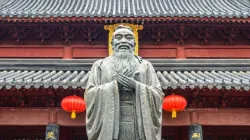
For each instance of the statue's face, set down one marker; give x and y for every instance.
(123, 41)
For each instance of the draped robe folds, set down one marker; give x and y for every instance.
(102, 101)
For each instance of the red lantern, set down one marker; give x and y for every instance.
(73, 104)
(174, 103)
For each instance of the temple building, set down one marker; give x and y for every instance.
(200, 50)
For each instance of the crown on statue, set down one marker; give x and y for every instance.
(123, 26)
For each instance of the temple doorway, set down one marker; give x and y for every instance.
(168, 133)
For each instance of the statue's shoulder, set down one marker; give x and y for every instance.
(100, 62)
(143, 61)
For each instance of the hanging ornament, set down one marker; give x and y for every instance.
(174, 103)
(73, 104)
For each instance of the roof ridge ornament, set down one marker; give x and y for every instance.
(111, 29)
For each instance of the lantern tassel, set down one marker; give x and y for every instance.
(173, 114)
(73, 115)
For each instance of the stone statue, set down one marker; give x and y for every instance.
(123, 94)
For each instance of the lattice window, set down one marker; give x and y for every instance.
(226, 137)
(30, 137)
(168, 138)
(21, 137)
(208, 138)
(80, 137)
(39, 137)
(3, 138)
(244, 138)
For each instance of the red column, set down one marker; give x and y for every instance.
(180, 50)
(68, 52)
(65, 133)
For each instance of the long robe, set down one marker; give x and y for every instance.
(102, 101)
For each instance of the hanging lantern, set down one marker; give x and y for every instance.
(174, 103)
(73, 104)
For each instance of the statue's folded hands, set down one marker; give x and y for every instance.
(126, 81)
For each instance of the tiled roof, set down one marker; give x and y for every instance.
(125, 8)
(169, 79)
(205, 79)
(36, 79)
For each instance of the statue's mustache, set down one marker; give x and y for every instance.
(129, 45)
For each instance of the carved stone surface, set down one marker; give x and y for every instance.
(123, 94)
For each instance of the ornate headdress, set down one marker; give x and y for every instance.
(123, 26)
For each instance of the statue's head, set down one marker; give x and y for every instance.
(123, 40)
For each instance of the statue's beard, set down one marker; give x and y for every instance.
(124, 61)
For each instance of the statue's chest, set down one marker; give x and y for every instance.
(127, 115)
(127, 95)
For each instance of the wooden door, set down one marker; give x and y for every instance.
(168, 133)
(22, 133)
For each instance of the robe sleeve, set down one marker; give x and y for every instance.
(99, 106)
(150, 96)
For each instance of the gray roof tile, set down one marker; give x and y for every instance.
(169, 79)
(125, 8)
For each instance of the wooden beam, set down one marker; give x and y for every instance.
(33, 51)
(68, 52)
(217, 53)
(39, 116)
(42, 116)
(180, 54)
(209, 116)
(146, 51)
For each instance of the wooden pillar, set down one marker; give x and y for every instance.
(66, 133)
(183, 133)
(52, 132)
(68, 52)
(195, 132)
(180, 50)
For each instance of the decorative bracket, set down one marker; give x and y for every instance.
(90, 34)
(111, 29)
(68, 33)
(2, 32)
(44, 34)
(229, 35)
(246, 32)
(180, 34)
(158, 35)
(204, 35)
(20, 34)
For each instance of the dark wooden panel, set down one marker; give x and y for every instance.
(217, 53)
(208, 116)
(90, 52)
(224, 118)
(24, 116)
(158, 53)
(31, 52)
